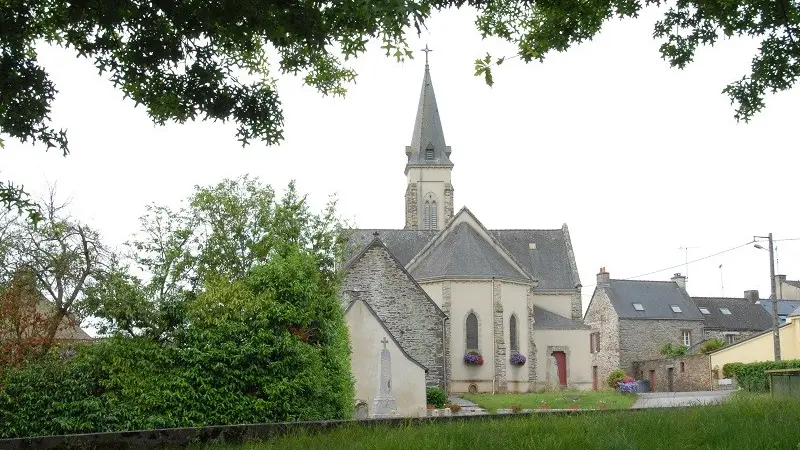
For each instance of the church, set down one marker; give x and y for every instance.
(446, 302)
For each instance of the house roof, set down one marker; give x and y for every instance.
(656, 298)
(404, 244)
(428, 133)
(463, 252)
(785, 307)
(383, 325)
(744, 316)
(795, 313)
(544, 319)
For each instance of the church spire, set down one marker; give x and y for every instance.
(427, 143)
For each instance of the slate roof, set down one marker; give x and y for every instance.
(546, 320)
(744, 316)
(656, 298)
(465, 253)
(404, 244)
(428, 131)
(549, 263)
(785, 307)
(795, 313)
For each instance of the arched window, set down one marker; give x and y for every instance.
(426, 216)
(434, 216)
(512, 331)
(472, 332)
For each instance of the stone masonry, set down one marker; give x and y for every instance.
(500, 360)
(409, 314)
(689, 373)
(602, 318)
(412, 215)
(739, 337)
(446, 302)
(531, 343)
(448, 203)
(641, 340)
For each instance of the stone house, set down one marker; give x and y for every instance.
(447, 288)
(732, 319)
(761, 346)
(631, 320)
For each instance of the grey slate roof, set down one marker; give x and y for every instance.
(544, 319)
(428, 131)
(656, 298)
(785, 307)
(744, 316)
(464, 253)
(549, 263)
(795, 313)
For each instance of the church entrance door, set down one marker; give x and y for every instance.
(561, 364)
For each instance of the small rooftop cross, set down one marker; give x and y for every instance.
(426, 50)
(375, 233)
(384, 341)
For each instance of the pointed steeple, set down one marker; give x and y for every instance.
(427, 143)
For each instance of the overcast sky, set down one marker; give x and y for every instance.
(637, 158)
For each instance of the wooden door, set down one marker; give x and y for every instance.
(652, 381)
(595, 382)
(561, 364)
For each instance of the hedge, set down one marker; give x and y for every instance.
(270, 348)
(751, 377)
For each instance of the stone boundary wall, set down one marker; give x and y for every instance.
(689, 373)
(234, 434)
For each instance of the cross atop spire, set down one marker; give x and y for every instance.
(426, 50)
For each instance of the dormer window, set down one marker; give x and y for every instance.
(705, 311)
(429, 154)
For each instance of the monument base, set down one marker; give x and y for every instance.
(384, 407)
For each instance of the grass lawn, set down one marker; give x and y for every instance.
(741, 423)
(556, 400)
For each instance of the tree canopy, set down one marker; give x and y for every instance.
(185, 60)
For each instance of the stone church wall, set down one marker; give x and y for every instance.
(412, 318)
(602, 319)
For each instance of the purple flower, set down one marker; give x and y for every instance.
(473, 358)
(518, 359)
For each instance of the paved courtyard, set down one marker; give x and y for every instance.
(672, 399)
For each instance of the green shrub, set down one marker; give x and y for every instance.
(729, 370)
(436, 396)
(751, 377)
(615, 376)
(271, 347)
(712, 345)
(668, 349)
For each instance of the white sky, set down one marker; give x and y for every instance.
(637, 158)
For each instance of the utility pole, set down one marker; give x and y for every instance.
(776, 338)
(775, 319)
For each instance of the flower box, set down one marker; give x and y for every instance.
(473, 359)
(518, 359)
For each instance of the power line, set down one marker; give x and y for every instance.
(685, 263)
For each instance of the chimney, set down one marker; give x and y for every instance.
(603, 278)
(751, 296)
(680, 280)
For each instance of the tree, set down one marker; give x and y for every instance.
(57, 259)
(223, 233)
(712, 345)
(23, 325)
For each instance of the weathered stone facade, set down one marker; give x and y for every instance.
(739, 336)
(500, 361)
(412, 209)
(688, 373)
(602, 318)
(448, 339)
(641, 340)
(532, 356)
(448, 203)
(409, 314)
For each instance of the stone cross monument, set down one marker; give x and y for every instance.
(384, 404)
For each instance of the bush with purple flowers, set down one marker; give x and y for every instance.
(473, 358)
(628, 388)
(518, 359)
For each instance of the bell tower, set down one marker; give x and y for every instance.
(429, 195)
